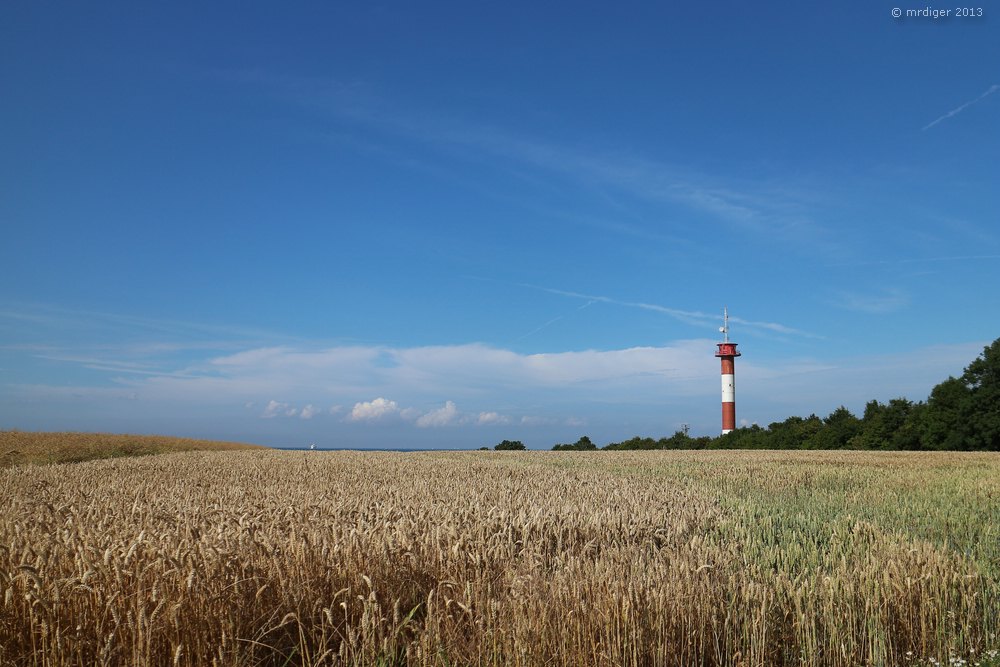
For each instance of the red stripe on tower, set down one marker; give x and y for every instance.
(728, 353)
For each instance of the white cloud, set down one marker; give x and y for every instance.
(477, 367)
(474, 374)
(535, 420)
(490, 418)
(277, 408)
(409, 414)
(618, 389)
(273, 409)
(44, 392)
(373, 410)
(440, 417)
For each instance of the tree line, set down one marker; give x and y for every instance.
(961, 413)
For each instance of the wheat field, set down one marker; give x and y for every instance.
(488, 558)
(20, 447)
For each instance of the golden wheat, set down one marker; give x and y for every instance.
(19, 447)
(638, 558)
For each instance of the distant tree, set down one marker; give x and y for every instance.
(701, 442)
(793, 433)
(982, 377)
(581, 445)
(874, 433)
(888, 426)
(746, 437)
(637, 442)
(510, 445)
(907, 435)
(679, 440)
(945, 423)
(836, 431)
(964, 412)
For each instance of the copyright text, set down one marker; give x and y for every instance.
(938, 14)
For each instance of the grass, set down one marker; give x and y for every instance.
(27, 447)
(486, 558)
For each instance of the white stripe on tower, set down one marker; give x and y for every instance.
(729, 388)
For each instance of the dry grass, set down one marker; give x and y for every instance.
(637, 558)
(20, 447)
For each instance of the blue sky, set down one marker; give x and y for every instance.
(448, 224)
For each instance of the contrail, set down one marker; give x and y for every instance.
(954, 112)
(918, 260)
(694, 318)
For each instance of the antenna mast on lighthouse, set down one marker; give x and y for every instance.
(728, 353)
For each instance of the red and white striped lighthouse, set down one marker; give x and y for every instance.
(728, 353)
